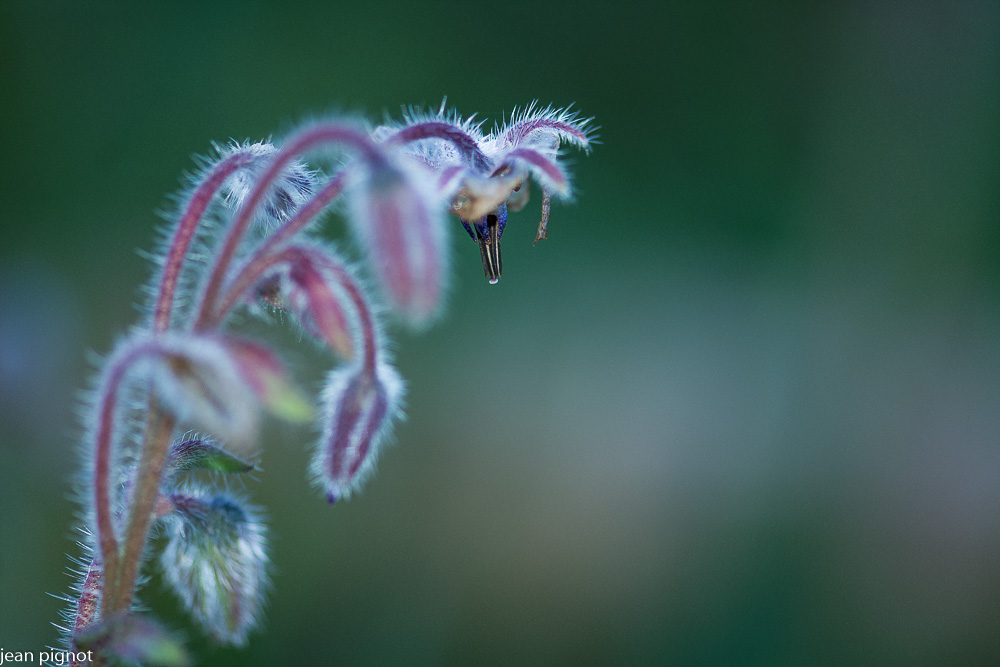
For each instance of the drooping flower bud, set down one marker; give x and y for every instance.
(200, 380)
(318, 305)
(360, 408)
(219, 382)
(215, 560)
(397, 217)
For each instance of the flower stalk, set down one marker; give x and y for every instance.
(185, 371)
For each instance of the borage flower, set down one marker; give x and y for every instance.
(486, 175)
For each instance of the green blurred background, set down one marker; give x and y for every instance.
(742, 407)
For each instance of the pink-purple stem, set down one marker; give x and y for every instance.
(151, 464)
(107, 538)
(308, 139)
(252, 270)
(185, 232)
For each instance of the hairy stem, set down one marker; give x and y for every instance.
(262, 258)
(310, 138)
(90, 597)
(147, 486)
(107, 539)
(185, 231)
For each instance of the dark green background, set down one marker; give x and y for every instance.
(743, 407)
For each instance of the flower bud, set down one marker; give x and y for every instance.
(318, 306)
(219, 382)
(360, 408)
(201, 381)
(215, 560)
(397, 218)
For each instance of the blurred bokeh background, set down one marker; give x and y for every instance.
(742, 407)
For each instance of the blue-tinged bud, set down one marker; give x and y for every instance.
(215, 560)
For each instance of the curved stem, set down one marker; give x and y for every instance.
(107, 539)
(304, 141)
(185, 231)
(291, 254)
(251, 271)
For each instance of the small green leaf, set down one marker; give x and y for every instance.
(201, 454)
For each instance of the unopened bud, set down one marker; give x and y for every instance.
(215, 560)
(360, 411)
(318, 306)
(398, 220)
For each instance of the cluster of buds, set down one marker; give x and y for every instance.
(245, 238)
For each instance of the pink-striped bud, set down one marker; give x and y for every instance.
(360, 410)
(397, 217)
(312, 297)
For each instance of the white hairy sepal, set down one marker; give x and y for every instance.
(292, 189)
(433, 152)
(215, 560)
(359, 413)
(542, 128)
